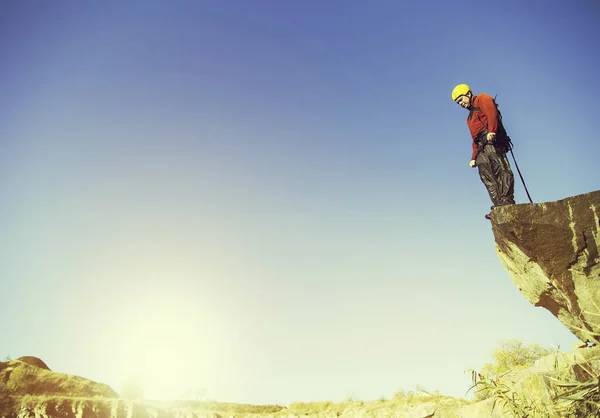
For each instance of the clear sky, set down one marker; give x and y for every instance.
(272, 199)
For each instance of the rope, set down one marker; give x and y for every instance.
(510, 147)
(519, 171)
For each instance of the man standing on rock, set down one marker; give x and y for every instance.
(490, 144)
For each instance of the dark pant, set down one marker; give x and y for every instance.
(496, 175)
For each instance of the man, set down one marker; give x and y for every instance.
(490, 144)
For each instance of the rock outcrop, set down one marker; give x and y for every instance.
(34, 361)
(31, 376)
(551, 253)
(27, 380)
(29, 389)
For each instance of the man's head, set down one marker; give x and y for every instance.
(462, 95)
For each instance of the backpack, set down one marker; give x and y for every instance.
(503, 141)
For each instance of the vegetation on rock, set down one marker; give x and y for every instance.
(558, 385)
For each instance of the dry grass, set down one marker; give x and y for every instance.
(400, 401)
(222, 408)
(572, 387)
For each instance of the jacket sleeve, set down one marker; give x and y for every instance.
(475, 151)
(491, 113)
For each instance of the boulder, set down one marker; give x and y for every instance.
(34, 361)
(550, 251)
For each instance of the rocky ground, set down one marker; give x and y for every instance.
(32, 391)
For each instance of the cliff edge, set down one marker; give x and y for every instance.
(550, 251)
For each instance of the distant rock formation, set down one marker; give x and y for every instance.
(24, 379)
(34, 361)
(551, 253)
(31, 376)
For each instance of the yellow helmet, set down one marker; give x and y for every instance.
(460, 90)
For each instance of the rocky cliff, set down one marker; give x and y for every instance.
(550, 251)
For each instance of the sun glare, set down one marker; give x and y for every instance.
(167, 349)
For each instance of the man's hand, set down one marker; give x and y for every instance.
(472, 163)
(491, 136)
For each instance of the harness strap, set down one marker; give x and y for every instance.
(471, 111)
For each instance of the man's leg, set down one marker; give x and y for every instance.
(508, 180)
(504, 177)
(486, 174)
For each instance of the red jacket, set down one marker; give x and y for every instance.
(483, 115)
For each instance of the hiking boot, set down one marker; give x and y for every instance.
(506, 201)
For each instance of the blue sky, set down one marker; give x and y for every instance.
(272, 199)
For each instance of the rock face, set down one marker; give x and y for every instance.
(551, 253)
(27, 378)
(30, 376)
